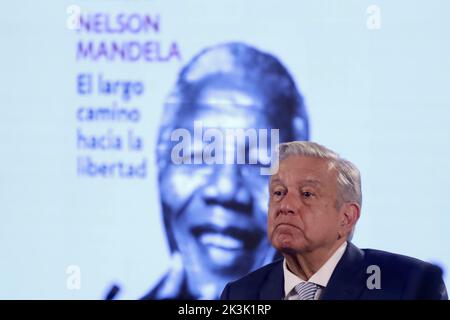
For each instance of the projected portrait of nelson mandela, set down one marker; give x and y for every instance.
(215, 214)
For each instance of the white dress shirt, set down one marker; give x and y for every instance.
(321, 277)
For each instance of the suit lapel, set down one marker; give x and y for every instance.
(346, 283)
(273, 286)
(348, 279)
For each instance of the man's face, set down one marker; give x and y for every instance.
(302, 206)
(218, 212)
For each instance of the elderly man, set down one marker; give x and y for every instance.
(315, 202)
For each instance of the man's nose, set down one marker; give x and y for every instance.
(227, 187)
(288, 205)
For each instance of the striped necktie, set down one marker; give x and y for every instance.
(306, 290)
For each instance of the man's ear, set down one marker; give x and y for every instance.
(349, 215)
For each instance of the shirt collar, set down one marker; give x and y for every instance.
(321, 277)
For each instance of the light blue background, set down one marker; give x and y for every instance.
(378, 97)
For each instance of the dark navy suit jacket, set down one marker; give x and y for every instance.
(401, 278)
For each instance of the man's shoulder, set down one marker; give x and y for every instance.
(394, 260)
(417, 279)
(401, 266)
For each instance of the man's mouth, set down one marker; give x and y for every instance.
(230, 238)
(285, 224)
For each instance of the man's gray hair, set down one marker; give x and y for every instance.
(348, 179)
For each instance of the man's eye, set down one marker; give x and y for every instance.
(277, 193)
(307, 194)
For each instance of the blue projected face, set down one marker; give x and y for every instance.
(215, 213)
(218, 212)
